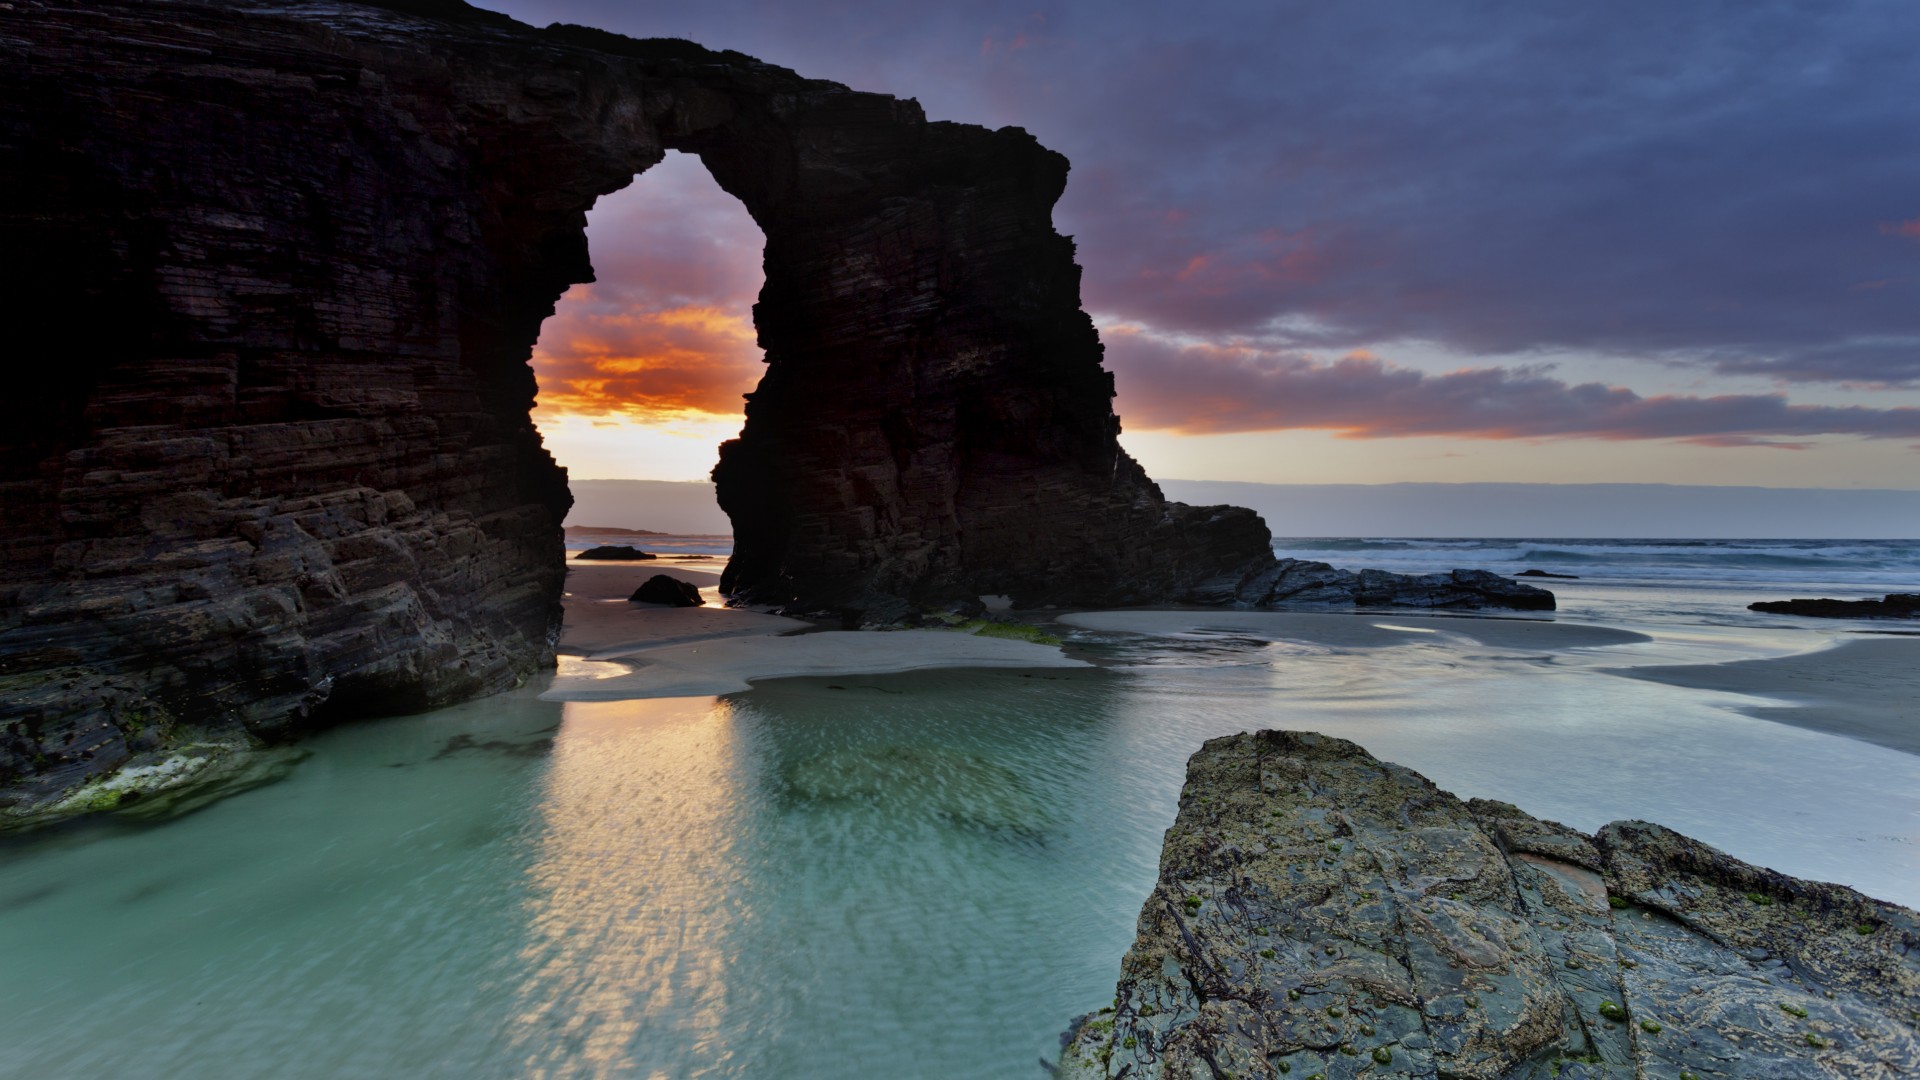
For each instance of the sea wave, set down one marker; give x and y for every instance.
(1841, 562)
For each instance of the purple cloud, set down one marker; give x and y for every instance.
(1728, 184)
(1213, 389)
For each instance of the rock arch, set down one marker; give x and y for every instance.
(277, 268)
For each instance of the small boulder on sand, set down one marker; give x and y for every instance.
(671, 591)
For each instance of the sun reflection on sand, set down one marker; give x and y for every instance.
(634, 901)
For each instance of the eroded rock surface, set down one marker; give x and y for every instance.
(1323, 914)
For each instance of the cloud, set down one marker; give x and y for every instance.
(648, 364)
(1212, 389)
(1711, 183)
(1873, 364)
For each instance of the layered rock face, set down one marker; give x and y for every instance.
(266, 460)
(935, 422)
(1321, 914)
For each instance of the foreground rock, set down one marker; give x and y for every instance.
(671, 591)
(615, 552)
(1895, 606)
(1323, 914)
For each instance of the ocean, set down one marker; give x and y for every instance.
(1863, 567)
(908, 875)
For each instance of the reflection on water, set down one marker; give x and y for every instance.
(899, 871)
(910, 875)
(634, 890)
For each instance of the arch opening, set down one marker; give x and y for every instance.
(642, 372)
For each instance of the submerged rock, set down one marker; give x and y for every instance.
(1895, 606)
(910, 781)
(1322, 913)
(615, 551)
(1547, 574)
(671, 591)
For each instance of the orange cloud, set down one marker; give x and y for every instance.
(648, 365)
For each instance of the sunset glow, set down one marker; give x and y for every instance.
(641, 372)
(1276, 278)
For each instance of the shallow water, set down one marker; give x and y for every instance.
(909, 875)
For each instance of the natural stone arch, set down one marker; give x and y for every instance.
(297, 481)
(278, 469)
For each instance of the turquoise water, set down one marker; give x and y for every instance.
(901, 876)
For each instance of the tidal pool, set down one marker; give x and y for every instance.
(909, 875)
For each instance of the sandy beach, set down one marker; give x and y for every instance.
(600, 619)
(629, 650)
(1864, 688)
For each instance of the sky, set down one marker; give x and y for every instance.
(1360, 242)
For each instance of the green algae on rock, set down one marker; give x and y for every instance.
(1015, 631)
(1452, 938)
(163, 784)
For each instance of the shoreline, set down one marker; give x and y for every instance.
(1865, 688)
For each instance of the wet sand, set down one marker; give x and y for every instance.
(1863, 688)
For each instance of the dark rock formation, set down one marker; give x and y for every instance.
(264, 450)
(1895, 606)
(604, 530)
(1299, 583)
(671, 591)
(277, 267)
(615, 552)
(1546, 574)
(1321, 913)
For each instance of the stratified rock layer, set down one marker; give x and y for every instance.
(272, 281)
(1323, 914)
